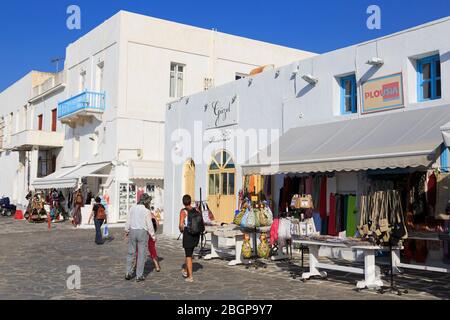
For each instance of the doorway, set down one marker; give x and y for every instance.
(189, 178)
(221, 187)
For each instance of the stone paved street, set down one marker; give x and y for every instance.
(33, 263)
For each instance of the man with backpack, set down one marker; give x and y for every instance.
(191, 226)
(99, 215)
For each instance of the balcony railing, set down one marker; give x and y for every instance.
(86, 101)
(52, 82)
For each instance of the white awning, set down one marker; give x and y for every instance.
(68, 177)
(148, 170)
(87, 170)
(409, 138)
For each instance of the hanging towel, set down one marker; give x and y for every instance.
(323, 198)
(332, 218)
(331, 188)
(345, 213)
(324, 230)
(317, 221)
(351, 216)
(309, 185)
(252, 186)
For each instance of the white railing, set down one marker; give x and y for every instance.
(55, 80)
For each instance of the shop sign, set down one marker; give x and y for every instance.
(222, 113)
(382, 93)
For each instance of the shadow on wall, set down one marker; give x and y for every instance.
(305, 90)
(445, 57)
(369, 74)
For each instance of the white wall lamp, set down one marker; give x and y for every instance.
(250, 81)
(277, 73)
(375, 61)
(310, 79)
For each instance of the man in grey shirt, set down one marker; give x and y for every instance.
(138, 228)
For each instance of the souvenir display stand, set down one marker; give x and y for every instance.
(255, 261)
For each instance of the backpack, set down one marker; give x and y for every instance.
(195, 224)
(101, 213)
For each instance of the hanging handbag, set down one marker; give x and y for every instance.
(246, 247)
(306, 202)
(269, 214)
(263, 247)
(263, 218)
(295, 201)
(258, 214)
(238, 217)
(251, 220)
(243, 223)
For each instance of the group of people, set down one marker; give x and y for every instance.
(140, 230)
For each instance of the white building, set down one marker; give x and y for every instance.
(31, 138)
(312, 105)
(111, 111)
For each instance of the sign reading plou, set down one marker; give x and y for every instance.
(382, 94)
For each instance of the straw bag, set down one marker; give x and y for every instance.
(306, 202)
(238, 218)
(247, 247)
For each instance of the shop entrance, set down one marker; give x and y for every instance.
(221, 187)
(189, 178)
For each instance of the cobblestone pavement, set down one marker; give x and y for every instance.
(33, 264)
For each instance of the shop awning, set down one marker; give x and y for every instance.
(148, 170)
(408, 138)
(68, 177)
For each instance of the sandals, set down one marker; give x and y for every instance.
(184, 274)
(190, 280)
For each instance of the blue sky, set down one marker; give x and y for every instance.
(32, 32)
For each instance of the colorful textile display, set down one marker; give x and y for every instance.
(332, 219)
(351, 216)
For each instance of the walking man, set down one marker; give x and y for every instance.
(138, 229)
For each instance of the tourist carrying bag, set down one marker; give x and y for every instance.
(101, 213)
(105, 232)
(195, 225)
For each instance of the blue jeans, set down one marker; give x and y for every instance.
(98, 231)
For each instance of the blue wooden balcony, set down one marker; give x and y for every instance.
(84, 105)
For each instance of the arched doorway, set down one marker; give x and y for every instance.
(189, 178)
(221, 187)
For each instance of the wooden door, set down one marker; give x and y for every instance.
(189, 178)
(221, 187)
(54, 119)
(40, 122)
